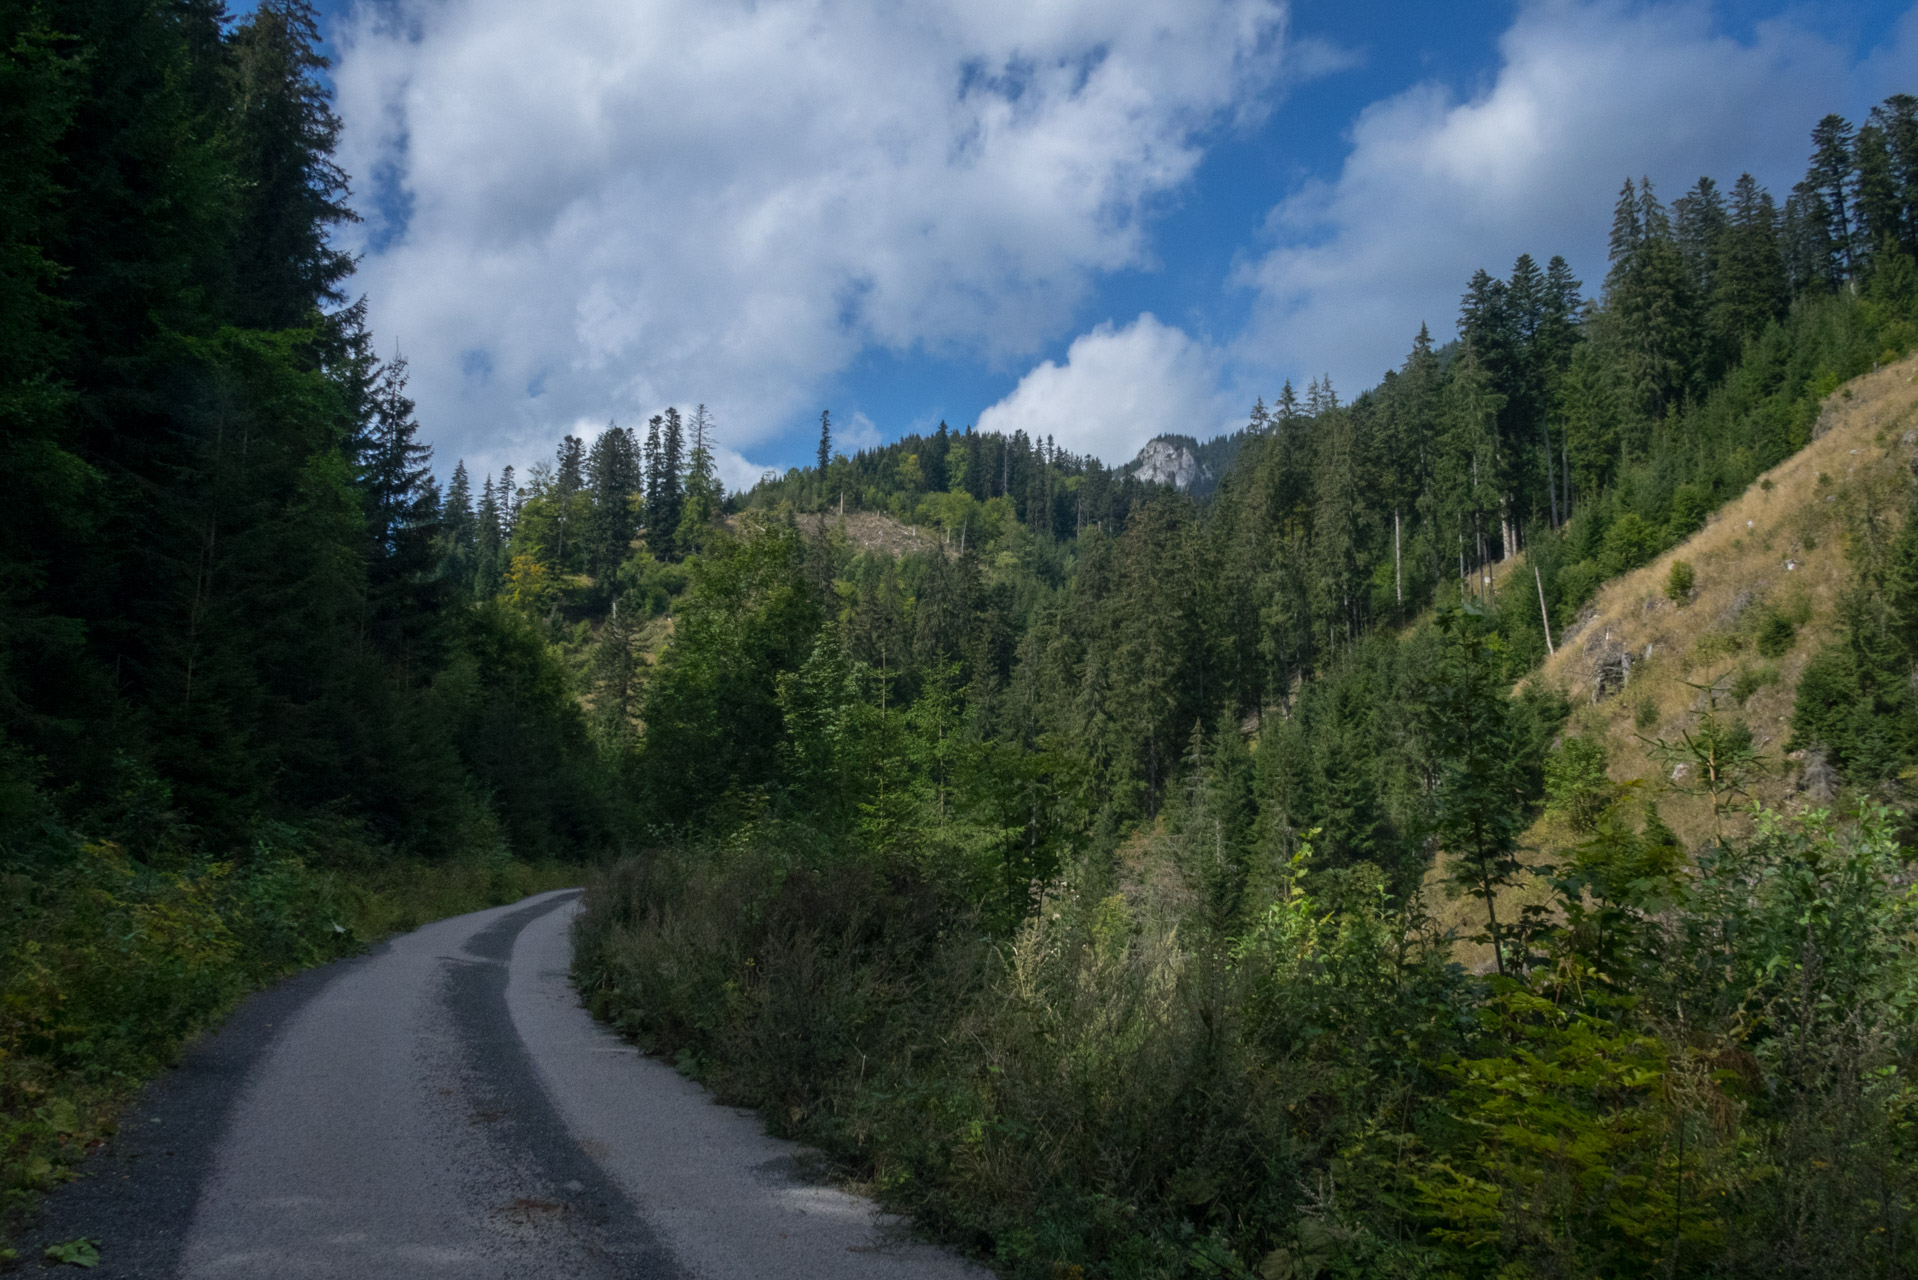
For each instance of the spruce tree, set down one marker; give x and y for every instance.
(672, 491)
(655, 469)
(487, 543)
(1876, 193)
(1651, 311)
(293, 193)
(1479, 799)
(405, 595)
(1750, 289)
(509, 500)
(459, 539)
(1830, 176)
(1699, 224)
(614, 476)
(1897, 119)
(700, 504)
(825, 456)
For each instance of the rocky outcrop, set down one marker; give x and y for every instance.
(1169, 462)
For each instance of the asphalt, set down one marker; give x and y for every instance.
(443, 1106)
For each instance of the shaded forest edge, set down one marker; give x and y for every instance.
(246, 723)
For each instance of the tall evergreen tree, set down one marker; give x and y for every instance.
(488, 521)
(459, 541)
(1896, 118)
(614, 475)
(1698, 228)
(509, 500)
(702, 488)
(663, 521)
(1830, 177)
(404, 590)
(293, 193)
(1750, 288)
(1651, 320)
(1479, 794)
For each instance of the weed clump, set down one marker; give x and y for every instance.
(1679, 582)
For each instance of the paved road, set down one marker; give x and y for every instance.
(445, 1107)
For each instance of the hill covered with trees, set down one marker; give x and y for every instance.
(1095, 881)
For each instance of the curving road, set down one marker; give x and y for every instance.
(444, 1107)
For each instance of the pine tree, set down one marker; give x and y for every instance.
(702, 489)
(488, 520)
(1897, 119)
(404, 592)
(1750, 287)
(1650, 309)
(614, 476)
(1479, 799)
(662, 523)
(1699, 224)
(294, 194)
(1830, 177)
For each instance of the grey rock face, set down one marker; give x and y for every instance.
(1168, 462)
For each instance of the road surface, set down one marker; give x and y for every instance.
(443, 1106)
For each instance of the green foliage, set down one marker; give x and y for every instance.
(110, 964)
(1479, 808)
(1679, 582)
(240, 685)
(1855, 698)
(84, 1252)
(1776, 636)
(1120, 1087)
(1576, 783)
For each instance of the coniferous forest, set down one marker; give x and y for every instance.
(1125, 881)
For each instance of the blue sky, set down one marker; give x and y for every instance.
(1089, 220)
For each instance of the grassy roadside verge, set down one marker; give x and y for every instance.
(109, 966)
(1121, 1089)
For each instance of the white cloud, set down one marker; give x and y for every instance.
(1117, 389)
(614, 206)
(1587, 93)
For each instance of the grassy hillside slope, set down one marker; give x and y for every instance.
(1768, 572)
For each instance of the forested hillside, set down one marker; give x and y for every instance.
(1092, 871)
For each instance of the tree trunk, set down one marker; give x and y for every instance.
(1551, 478)
(1398, 563)
(1544, 618)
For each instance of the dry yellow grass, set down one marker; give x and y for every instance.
(1780, 547)
(865, 531)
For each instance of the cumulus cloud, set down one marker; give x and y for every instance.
(1587, 93)
(599, 208)
(1116, 390)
